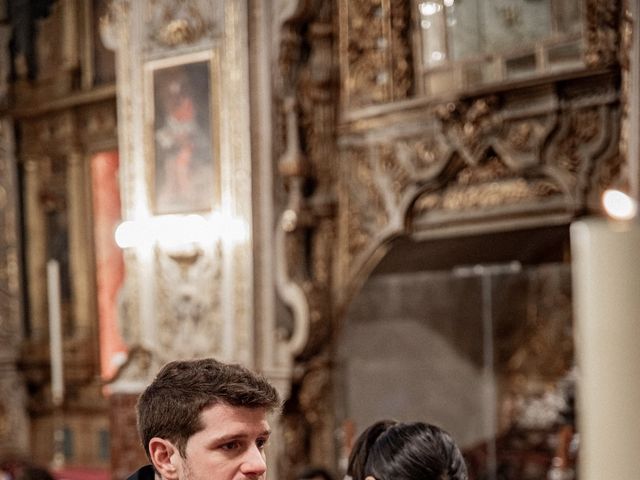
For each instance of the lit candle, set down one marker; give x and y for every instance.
(55, 332)
(606, 290)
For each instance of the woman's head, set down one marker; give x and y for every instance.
(406, 451)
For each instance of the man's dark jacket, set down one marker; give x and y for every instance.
(145, 473)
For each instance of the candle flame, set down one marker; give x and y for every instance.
(619, 205)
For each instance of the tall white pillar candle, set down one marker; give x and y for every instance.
(606, 291)
(55, 332)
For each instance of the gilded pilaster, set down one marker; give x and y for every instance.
(83, 306)
(14, 431)
(35, 234)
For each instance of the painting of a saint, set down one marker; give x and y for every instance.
(183, 138)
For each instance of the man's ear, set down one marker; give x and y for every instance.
(164, 457)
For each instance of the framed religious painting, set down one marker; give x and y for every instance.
(182, 133)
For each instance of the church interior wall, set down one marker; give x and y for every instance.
(394, 195)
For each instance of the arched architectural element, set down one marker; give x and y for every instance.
(392, 162)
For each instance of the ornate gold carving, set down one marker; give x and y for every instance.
(365, 206)
(189, 317)
(401, 56)
(5, 62)
(375, 53)
(488, 185)
(423, 153)
(367, 79)
(179, 23)
(622, 176)
(582, 127)
(469, 123)
(309, 414)
(397, 175)
(602, 33)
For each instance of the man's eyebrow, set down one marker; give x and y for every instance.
(238, 436)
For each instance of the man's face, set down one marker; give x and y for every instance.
(229, 447)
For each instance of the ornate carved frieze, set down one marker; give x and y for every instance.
(375, 53)
(189, 316)
(181, 24)
(602, 32)
(365, 207)
(540, 153)
(490, 184)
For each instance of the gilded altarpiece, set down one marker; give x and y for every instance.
(58, 124)
(396, 161)
(195, 300)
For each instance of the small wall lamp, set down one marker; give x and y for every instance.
(180, 232)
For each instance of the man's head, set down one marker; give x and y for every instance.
(193, 404)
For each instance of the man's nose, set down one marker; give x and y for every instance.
(254, 462)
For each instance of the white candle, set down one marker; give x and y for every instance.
(606, 291)
(55, 332)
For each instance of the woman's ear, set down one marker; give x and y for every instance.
(164, 456)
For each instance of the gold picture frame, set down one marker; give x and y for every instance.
(183, 130)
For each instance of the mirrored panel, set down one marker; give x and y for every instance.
(470, 43)
(484, 352)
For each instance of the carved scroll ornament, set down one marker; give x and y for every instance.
(474, 160)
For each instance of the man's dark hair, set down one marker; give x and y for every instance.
(415, 451)
(311, 473)
(170, 406)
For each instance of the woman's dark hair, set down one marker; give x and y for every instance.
(362, 447)
(406, 451)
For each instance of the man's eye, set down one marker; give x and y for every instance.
(262, 442)
(230, 445)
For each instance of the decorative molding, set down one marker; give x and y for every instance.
(602, 33)
(176, 23)
(189, 305)
(475, 159)
(375, 52)
(179, 26)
